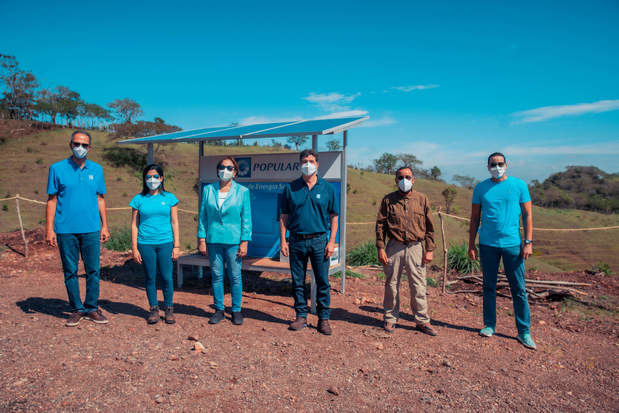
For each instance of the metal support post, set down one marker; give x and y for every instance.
(150, 158)
(342, 220)
(314, 290)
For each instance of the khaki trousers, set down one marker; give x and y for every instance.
(407, 258)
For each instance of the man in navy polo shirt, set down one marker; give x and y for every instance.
(77, 224)
(310, 212)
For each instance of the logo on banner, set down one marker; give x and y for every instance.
(244, 167)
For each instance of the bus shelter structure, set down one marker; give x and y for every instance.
(311, 128)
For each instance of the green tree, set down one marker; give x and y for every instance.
(47, 104)
(410, 160)
(449, 194)
(68, 102)
(297, 141)
(333, 145)
(465, 181)
(386, 163)
(435, 173)
(20, 89)
(125, 110)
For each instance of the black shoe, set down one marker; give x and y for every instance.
(153, 315)
(217, 317)
(298, 324)
(169, 315)
(237, 318)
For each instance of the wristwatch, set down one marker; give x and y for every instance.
(528, 241)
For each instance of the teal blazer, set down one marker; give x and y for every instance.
(229, 224)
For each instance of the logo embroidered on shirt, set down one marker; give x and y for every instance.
(317, 196)
(162, 202)
(91, 177)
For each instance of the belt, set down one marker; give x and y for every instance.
(306, 236)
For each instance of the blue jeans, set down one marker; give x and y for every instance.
(157, 256)
(514, 270)
(221, 255)
(89, 246)
(300, 251)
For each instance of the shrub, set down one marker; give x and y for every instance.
(431, 282)
(601, 267)
(364, 254)
(459, 261)
(128, 157)
(120, 240)
(349, 274)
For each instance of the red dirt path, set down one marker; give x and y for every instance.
(261, 365)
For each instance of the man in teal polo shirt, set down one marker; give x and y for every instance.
(77, 224)
(310, 212)
(499, 202)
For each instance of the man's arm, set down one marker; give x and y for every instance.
(429, 235)
(105, 232)
(283, 223)
(527, 222)
(381, 229)
(331, 244)
(473, 227)
(50, 214)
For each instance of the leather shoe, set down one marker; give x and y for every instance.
(389, 327)
(324, 327)
(298, 324)
(426, 329)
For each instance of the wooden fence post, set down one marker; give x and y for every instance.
(21, 226)
(440, 215)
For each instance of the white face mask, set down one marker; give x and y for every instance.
(79, 152)
(308, 169)
(405, 185)
(497, 172)
(153, 183)
(225, 175)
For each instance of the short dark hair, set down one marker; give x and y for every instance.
(404, 167)
(497, 154)
(308, 152)
(81, 132)
(159, 170)
(231, 159)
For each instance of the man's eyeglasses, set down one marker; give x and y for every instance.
(400, 177)
(78, 144)
(156, 176)
(495, 164)
(228, 167)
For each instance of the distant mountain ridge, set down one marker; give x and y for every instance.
(579, 187)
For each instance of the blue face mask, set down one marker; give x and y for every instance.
(79, 152)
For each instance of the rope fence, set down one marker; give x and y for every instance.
(18, 198)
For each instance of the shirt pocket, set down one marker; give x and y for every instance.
(394, 214)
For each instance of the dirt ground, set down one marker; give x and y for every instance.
(262, 366)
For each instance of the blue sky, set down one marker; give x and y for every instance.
(449, 81)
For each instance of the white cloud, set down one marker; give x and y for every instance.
(407, 89)
(331, 102)
(384, 121)
(608, 148)
(250, 120)
(344, 114)
(551, 112)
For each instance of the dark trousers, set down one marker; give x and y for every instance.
(71, 246)
(157, 256)
(300, 251)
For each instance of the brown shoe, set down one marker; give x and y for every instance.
(389, 327)
(298, 324)
(74, 319)
(153, 315)
(169, 316)
(96, 317)
(426, 329)
(324, 327)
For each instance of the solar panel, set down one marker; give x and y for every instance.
(256, 131)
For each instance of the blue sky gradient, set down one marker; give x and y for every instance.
(447, 81)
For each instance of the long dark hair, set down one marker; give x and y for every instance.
(159, 170)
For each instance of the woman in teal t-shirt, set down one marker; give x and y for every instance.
(155, 238)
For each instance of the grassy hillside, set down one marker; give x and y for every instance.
(26, 161)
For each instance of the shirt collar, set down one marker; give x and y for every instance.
(76, 166)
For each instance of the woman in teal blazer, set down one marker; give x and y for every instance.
(224, 227)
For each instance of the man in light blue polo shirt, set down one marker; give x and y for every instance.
(77, 224)
(499, 202)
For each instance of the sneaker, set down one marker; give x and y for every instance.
(153, 315)
(74, 319)
(237, 318)
(169, 315)
(96, 317)
(486, 332)
(217, 317)
(298, 324)
(526, 340)
(389, 327)
(426, 329)
(324, 327)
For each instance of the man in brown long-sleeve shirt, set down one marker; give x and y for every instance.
(405, 241)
